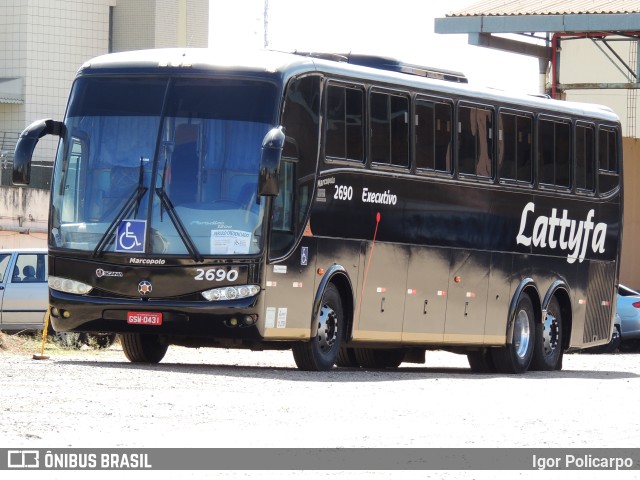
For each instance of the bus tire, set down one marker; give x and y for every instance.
(347, 358)
(515, 356)
(480, 361)
(376, 358)
(142, 348)
(547, 352)
(321, 352)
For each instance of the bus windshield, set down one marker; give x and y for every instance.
(161, 166)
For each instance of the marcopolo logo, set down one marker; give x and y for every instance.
(147, 261)
(562, 232)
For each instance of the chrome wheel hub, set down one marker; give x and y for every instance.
(521, 334)
(327, 328)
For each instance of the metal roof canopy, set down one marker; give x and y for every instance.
(593, 19)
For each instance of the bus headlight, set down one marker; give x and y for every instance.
(231, 293)
(69, 286)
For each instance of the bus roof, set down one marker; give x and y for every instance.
(284, 65)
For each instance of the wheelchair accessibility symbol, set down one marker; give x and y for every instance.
(131, 236)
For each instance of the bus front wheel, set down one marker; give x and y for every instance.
(515, 356)
(141, 348)
(321, 351)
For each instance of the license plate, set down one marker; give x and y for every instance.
(144, 318)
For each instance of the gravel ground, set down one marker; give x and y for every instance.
(229, 398)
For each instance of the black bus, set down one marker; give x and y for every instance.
(353, 208)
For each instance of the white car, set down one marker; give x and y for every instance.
(24, 297)
(24, 293)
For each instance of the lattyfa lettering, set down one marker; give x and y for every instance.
(562, 233)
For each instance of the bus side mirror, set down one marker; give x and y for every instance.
(26, 145)
(270, 162)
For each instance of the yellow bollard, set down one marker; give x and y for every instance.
(42, 356)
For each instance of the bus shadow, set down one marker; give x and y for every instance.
(346, 375)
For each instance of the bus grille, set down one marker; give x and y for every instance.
(598, 322)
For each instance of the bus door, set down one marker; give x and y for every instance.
(467, 297)
(289, 288)
(382, 306)
(426, 297)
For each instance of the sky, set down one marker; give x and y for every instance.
(403, 29)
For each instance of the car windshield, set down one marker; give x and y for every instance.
(162, 166)
(627, 292)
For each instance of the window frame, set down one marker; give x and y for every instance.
(420, 97)
(595, 161)
(603, 174)
(516, 181)
(330, 159)
(492, 150)
(374, 90)
(538, 177)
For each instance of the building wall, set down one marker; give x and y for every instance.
(13, 62)
(630, 266)
(586, 61)
(23, 217)
(44, 43)
(140, 24)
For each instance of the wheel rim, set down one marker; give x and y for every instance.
(550, 334)
(327, 328)
(521, 334)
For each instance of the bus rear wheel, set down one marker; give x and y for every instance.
(321, 352)
(515, 356)
(547, 354)
(141, 348)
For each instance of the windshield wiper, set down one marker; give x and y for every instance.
(134, 199)
(184, 235)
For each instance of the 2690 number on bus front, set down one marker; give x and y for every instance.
(216, 274)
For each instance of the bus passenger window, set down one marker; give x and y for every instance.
(345, 125)
(433, 135)
(389, 129)
(554, 153)
(563, 155)
(608, 178)
(514, 147)
(475, 141)
(585, 158)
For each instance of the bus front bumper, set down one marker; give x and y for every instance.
(233, 319)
